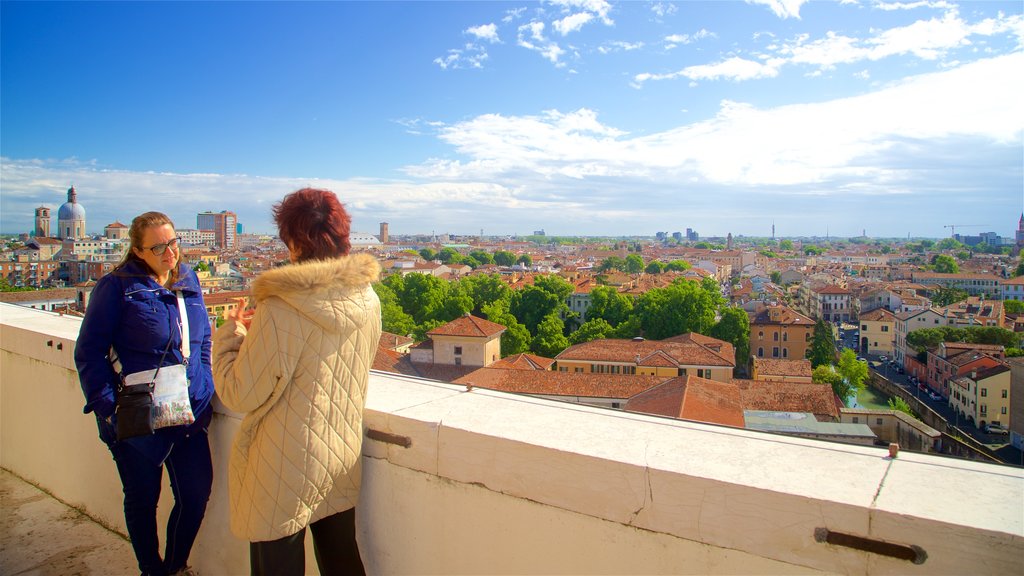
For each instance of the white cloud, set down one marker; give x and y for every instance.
(487, 32)
(689, 38)
(599, 8)
(531, 36)
(890, 6)
(864, 138)
(572, 23)
(662, 9)
(471, 56)
(513, 14)
(734, 68)
(617, 46)
(782, 8)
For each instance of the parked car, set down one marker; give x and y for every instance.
(996, 429)
(934, 396)
(882, 358)
(922, 387)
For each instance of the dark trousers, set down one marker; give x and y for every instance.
(334, 542)
(191, 472)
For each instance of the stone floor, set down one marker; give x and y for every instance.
(40, 536)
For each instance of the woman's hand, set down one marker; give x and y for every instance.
(240, 314)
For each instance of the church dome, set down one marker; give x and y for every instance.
(71, 210)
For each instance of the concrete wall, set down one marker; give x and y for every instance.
(480, 482)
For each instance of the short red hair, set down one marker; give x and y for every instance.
(314, 223)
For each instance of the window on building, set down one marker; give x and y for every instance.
(807, 336)
(458, 361)
(458, 349)
(1003, 410)
(775, 336)
(578, 369)
(984, 409)
(856, 420)
(863, 326)
(785, 336)
(760, 334)
(878, 421)
(760, 352)
(563, 368)
(682, 372)
(1004, 393)
(775, 352)
(984, 392)
(885, 328)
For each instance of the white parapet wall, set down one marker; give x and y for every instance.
(461, 481)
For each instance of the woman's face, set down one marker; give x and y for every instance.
(159, 249)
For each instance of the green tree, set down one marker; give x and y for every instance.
(945, 264)
(611, 263)
(853, 371)
(1013, 306)
(948, 244)
(608, 304)
(504, 258)
(428, 254)
(554, 284)
(786, 245)
(655, 267)
(485, 289)
(449, 256)
(813, 250)
(525, 260)
(678, 308)
(900, 405)
(677, 266)
(550, 340)
(393, 318)
(827, 374)
(482, 256)
(201, 266)
(516, 338)
(927, 244)
(532, 304)
(946, 296)
(777, 278)
(734, 326)
(1019, 270)
(422, 296)
(634, 264)
(593, 329)
(823, 345)
(5, 286)
(702, 245)
(768, 254)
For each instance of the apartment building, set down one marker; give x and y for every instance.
(878, 332)
(951, 360)
(987, 285)
(682, 355)
(778, 331)
(982, 396)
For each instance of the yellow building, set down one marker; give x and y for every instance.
(983, 396)
(878, 331)
(686, 354)
(465, 341)
(778, 331)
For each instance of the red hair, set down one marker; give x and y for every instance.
(313, 223)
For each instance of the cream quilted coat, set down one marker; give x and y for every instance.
(299, 373)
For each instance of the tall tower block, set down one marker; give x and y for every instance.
(383, 233)
(42, 222)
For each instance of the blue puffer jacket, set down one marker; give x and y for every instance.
(130, 311)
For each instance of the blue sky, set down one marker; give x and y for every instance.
(580, 117)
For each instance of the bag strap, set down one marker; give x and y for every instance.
(186, 349)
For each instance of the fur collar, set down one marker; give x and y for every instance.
(316, 275)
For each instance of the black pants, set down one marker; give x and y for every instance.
(334, 541)
(191, 472)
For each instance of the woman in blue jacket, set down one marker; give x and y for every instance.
(134, 310)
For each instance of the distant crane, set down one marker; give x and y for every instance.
(952, 227)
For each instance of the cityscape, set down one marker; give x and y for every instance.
(666, 287)
(616, 320)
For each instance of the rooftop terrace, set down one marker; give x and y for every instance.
(482, 482)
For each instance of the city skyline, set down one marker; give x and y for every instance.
(579, 117)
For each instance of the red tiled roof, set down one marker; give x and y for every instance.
(685, 350)
(524, 362)
(576, 384)
(390, 361)
(692, 398)
(470, 326)
(393, 341)
(779, 367)
(818, 399)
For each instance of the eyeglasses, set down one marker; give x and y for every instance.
(159, 249)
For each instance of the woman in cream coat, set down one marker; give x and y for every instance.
(298, 368)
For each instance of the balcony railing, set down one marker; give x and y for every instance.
(463, 481)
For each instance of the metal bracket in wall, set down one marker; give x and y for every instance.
(911, 553)
(388, 438)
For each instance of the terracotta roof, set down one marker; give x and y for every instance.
(115, 224)
(779, 367)
(390, 361)
(393, 341)
(684, 353)
(692, 398)
(469, 326)
(832, 289)
(818, 399)
(619, 386)
(524, 362)
(878, 315)
(784, 315)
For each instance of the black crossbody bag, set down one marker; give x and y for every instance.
(135, 405)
